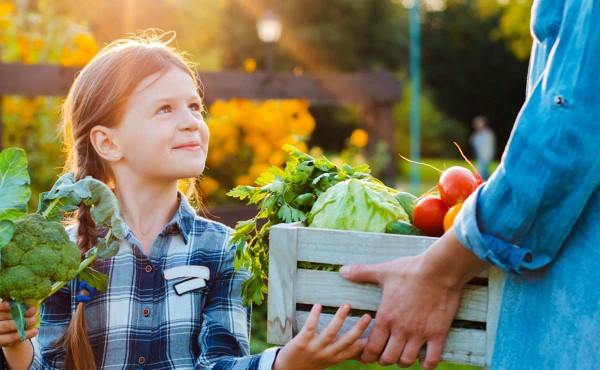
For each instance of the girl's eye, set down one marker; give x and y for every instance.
(196, 107)
(164, 109)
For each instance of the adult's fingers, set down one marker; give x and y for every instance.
(393, 349)
(376, 342)
(362, 272)
(330, 332)
(411, 350)
(434, 352)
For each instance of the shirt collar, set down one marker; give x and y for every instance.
(183, 219)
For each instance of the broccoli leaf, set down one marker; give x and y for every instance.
(96, 279)
(17, 312)
(68, 194)
(14, 184)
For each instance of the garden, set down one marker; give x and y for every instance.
(298, 123)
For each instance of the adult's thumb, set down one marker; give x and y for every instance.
(361, 273)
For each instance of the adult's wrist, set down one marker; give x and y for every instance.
(450, 263)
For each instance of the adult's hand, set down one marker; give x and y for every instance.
(420, 297)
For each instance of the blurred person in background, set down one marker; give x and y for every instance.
(484, 144)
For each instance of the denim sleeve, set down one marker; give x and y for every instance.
(522, 216)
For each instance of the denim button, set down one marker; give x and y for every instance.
(559, 100)
(528, 258)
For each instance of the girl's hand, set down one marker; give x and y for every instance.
(8, 327)
(310, 351)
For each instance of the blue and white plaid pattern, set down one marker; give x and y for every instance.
(141, 322)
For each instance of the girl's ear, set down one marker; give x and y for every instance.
(102, 139)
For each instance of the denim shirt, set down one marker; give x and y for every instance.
(537, 216)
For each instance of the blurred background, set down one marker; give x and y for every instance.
(473, 61)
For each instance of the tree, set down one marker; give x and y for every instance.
(470, 71)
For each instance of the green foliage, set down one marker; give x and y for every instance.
(14, 184)
(282, 196)
(438, 131)
(470, 71)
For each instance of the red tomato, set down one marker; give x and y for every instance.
(429, 215)
(456, 184)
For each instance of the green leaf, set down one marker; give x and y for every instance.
(14, 184)
(66, 193)
(96, 279)
(17, 312)
(7, 228)
(108, 251)
(242, 192)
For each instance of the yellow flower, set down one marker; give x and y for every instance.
(208, 186)
(6, 8)
(243, 180)
(359, 138)
(249, 65)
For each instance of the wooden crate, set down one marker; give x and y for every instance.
(290, 285)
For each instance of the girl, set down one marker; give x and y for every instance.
(136, 122)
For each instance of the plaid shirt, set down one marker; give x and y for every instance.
(141, 322)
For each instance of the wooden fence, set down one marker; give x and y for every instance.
(374, 92)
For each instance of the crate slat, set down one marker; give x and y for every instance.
(463, 346)
(331, 289)
(282, 285)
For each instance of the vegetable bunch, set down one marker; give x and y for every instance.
(281, 196)
(37, 258)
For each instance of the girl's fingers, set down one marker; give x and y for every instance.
(351, 336)
(8, 326)
(30, 311)
(330, 332)
(5, 306)
(12, 339)
(31, 321)
(310, 326)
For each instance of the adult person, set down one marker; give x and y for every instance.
(484, 143)
(536, 217)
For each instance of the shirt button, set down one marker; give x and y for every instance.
(146, 312)
(142, 360)
(559, 100)
(148, 268)
(528, 258)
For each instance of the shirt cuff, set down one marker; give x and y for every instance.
(267, 358)
(468, 227)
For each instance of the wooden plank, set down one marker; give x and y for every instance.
(496, 289)
(282, 285)
(331, 289)
(463, 346)
(340, 247)
(322, 89)
(36, 80)
(379, 87)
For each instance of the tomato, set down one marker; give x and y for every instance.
(456, 184)
(429, 215)
(451, 215)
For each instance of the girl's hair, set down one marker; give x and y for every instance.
(99, 96)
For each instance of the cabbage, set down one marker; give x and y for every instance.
(356, 204)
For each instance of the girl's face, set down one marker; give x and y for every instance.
(162, 135)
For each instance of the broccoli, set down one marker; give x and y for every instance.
(39, 254)
(37, 258)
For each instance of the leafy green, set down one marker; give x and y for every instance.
(14, 184)
(356, 204)
(95, 279)
(17, 312)
(282, 196)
